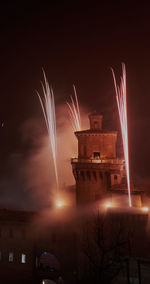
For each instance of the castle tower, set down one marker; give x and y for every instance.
(97, 168)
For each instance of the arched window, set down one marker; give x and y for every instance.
(84, 150)
(96, 155)
(48, 261)
(77, 175)
(88, 175)
(23, 258)
(94, 174)
(95, 124)
(11, 256)
(101, 175)
(82, 175)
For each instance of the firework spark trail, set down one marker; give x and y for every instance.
(48, 107)
(122, 109)
(74, 112)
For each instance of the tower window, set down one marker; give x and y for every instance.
(11, 257)
(84, 150)
(101, 175)
(115, 177)
(95, 124)
(96, 155)
(77, 175)
(88, 175)
(23, 258)
(82, 175)
(107, 174)
(94, 174)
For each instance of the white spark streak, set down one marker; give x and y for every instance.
(48, 107)
(121, 97)
(74, 112)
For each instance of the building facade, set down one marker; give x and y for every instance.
(98, 172)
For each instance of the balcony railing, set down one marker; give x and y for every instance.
(97, 161)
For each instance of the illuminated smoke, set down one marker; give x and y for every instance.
(48, 108)
(122, 109)
(74, 112)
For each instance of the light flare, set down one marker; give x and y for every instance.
(59, 203)
(74, 111)
(145, 209)
(121, 97)
(108, 204)
(48, 107)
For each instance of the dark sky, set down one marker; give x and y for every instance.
(75, 43)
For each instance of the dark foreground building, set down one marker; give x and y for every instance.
(32, 248)
(82, 248)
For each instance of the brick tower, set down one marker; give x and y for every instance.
(97, 169)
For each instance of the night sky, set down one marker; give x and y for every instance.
(75, 43)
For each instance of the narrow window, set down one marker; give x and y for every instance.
(101, 175)
(77, 175)
(88, 175)
(108, 180)
(115, 177)
(96, 155)
(95, 124)
(94, 174)
(23, 258)
(11, 257)
(84, 150)
(82, 175)
(36, 262)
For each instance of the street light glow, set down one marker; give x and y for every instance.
(108, 204)
(145, 209)
(59, 203)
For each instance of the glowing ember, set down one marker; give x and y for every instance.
(74, 112)
(122, 108)
(145, 209)
(59, 203)
(48, 108)
(108, 204)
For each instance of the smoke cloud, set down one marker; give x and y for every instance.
(31, 183)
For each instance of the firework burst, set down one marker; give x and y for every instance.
(121, 97)
(48, 107)
(74, 112)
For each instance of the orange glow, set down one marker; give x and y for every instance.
(59, 203)
(108, 204)
(122, 108)
(145, 209)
